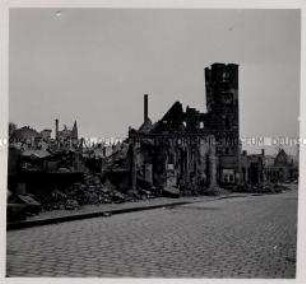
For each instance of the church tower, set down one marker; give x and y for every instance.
(221, 82)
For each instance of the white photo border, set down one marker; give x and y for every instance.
(187, 4)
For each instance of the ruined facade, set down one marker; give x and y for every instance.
(189, 149)
(253, 168)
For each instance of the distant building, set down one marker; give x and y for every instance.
(24, 134)
(12, 128)
(46, 134)
(259, 169)
(66, 135)
(282, 169)
(29, 136)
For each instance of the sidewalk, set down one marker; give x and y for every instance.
(105, 210)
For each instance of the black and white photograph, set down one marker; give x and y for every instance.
(153, 143)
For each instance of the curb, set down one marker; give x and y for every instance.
(106, 213)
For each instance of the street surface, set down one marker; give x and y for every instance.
(241, 237)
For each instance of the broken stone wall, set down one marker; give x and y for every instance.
(186, 162)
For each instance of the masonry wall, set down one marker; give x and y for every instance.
(182, 161)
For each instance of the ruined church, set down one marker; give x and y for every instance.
(188, 149)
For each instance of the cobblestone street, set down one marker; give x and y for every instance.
(253, 236)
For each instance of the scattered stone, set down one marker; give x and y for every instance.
(171, 192)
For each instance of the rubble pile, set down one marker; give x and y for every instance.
(91, 192)
(19, 206)
(118, 159)
(268, 188)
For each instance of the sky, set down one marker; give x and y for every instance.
(95, 64)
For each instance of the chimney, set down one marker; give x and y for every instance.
(56, 128)
(75, 130)
(145, 108)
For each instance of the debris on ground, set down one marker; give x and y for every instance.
(171, 192)
(22, 205)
